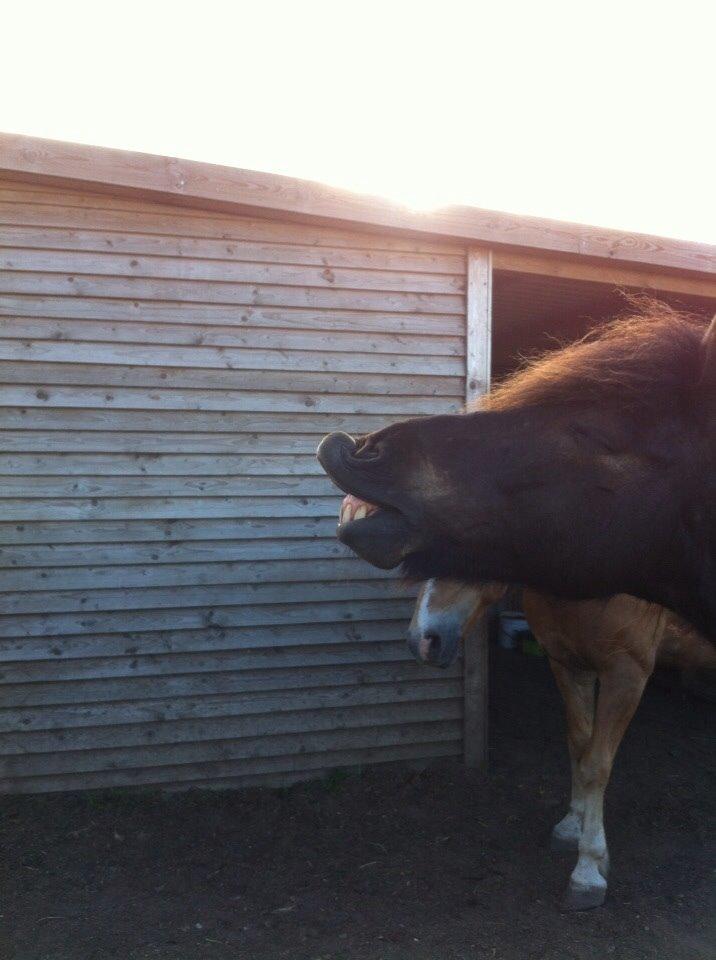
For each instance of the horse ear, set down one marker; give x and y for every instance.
(708, 368)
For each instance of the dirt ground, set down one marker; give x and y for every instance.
(385, 865)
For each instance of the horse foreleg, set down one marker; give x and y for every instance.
(620, 688)
(578, 692)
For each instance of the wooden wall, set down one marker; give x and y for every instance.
(175, 609)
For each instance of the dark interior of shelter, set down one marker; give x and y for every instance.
(533, 313)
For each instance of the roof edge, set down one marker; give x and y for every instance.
(193, 183)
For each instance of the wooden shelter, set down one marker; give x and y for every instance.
(176, 338)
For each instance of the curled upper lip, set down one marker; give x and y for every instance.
(336, 454)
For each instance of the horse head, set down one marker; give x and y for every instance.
(445, 613)
(589, 473)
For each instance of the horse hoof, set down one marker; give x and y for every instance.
(579, 897)
(563, 844)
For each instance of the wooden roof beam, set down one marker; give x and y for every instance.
(224, 188)
(615, 275)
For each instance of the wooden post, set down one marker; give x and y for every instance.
(477, 381)
(479, 322)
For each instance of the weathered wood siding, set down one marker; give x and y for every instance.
(175, 607)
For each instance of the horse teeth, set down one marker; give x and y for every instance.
(354, 509)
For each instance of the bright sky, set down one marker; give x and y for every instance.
(597, 112)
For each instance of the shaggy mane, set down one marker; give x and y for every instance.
(648, 358)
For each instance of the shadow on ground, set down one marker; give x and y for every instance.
(392, 864)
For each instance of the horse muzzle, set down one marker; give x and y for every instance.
(434, 649)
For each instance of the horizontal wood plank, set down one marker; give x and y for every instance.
(22, 328)
(300, 656)
(137, 398)
(168, 531)
(158, 553)
(191, 573)
(223, 594)
(227, 271)
(75, 717)
(234, 774)
(174, 486)
(206, 617)
(146, 443)
(107, 646)
(323, 382)
(121, 689)
(122, 464)
(197, 248)
(190, 422)
(204, 731)
(24, 204)
(249, 748)
(216, 314)
(207, 291)
(226, 358)
(165, 508)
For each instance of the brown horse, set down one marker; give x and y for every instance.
(590, 473)
(617, 642)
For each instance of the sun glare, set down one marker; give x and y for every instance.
(597, 114)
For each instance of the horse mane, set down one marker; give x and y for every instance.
(648, 358)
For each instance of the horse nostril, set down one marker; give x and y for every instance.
(433, 644)
(429, 647)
